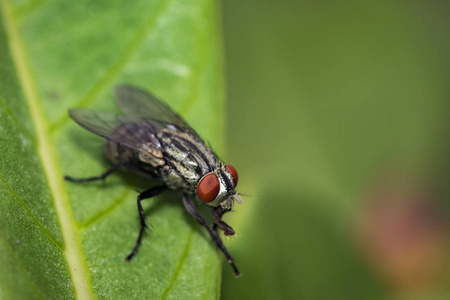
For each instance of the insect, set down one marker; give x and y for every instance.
(154, 141)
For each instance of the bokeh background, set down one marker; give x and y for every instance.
(338, 124)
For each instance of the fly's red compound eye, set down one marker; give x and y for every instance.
(233, 173)
(208, 188)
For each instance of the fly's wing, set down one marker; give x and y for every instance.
(135, 135)
(141, 105)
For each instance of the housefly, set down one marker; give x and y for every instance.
(154, 141)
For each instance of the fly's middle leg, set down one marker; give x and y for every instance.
(151, 192)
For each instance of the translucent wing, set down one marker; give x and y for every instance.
(141, 105)
(135, 135)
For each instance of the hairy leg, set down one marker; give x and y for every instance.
(190, 207)
(151, 192)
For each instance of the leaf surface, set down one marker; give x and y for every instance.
(64, 240)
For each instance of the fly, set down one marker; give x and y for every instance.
(154, 141)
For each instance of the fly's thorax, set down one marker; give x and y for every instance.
(187, 159)
(151, 154)
(188, 149)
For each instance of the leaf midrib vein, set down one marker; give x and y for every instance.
(47, 155)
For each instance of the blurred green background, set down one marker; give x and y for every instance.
(337, 123)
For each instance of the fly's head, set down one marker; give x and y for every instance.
(218, 187)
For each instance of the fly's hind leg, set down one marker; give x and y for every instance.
(151, 192)
(190, 207)
(95, 178)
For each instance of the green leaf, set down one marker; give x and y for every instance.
(64, 240)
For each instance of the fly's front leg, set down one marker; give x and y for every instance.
(95, 178)
(190, 207)
(218, 213)
(151, 192)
